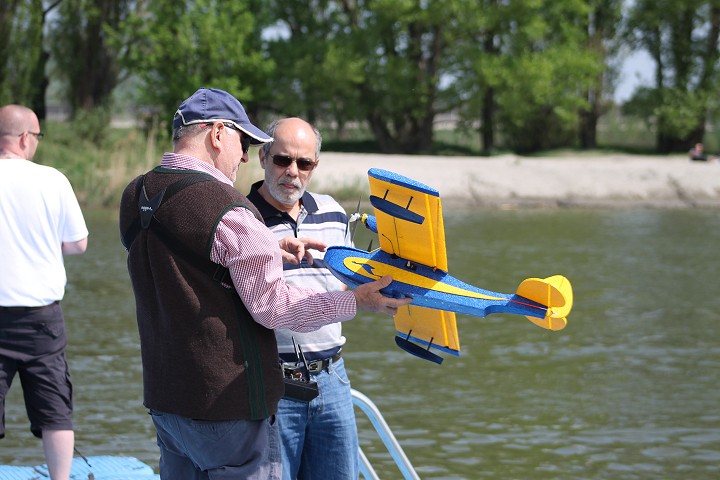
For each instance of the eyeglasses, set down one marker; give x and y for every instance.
(245, 143)
(244, 138)
(38, 135)
(284, 161)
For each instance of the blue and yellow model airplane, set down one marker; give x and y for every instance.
(409, 223)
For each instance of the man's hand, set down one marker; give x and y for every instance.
(295, 249)
(368, 297)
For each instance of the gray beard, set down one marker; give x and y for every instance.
(278, 195)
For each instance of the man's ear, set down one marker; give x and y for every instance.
(23, 141)
(215, 133)
(261, 156)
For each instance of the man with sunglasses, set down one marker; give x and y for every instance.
(207, 275)
(40, 221)
(319, 437)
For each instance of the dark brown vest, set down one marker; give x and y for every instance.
(204, 357)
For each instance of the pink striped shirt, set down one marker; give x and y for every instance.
(249, 250)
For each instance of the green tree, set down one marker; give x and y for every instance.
(375, 61)
(682, 37)
(523, 68)
(23, 57)
(400, 46)
(175, 47)
(86, 60)
(317, 71)
(603, 39)
(7, 12)
(475, 66)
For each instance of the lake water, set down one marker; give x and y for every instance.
(629, 390)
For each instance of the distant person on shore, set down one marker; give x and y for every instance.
(319, 438)
(207, 275)
(697, 154)
(40, 220)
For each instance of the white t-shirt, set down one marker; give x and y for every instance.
(38, 213)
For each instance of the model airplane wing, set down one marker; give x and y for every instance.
(420, 328)
(408, 221)
(409, 218)
(409, 224)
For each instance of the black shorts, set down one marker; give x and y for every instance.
(32, 345)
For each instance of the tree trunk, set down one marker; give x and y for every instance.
(487, 119)
(589, 120)
(7, 13)
(40, 85)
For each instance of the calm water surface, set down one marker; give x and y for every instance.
(629, 390)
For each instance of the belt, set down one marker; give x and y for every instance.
(27, 309)
(317, 366)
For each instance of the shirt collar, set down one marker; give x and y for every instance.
(186, 162)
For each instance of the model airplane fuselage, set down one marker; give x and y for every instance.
(428, 287)
(408, 222)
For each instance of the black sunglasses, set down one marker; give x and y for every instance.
(304, 164)
(244, 138)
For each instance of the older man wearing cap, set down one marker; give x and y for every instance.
(209, 290)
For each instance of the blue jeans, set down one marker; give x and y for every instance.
(319, 438)
(199, 449)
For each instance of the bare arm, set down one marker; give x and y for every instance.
(75, 248)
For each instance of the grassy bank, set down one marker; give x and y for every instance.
(100, 164)
(100, 168)
(101, 161)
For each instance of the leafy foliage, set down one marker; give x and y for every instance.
(175, 47)
(21, 51)
(682, 37)
(535, 74)
(84, 59)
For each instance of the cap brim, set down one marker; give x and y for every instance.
(257, 136)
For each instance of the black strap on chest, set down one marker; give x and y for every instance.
(147, 220)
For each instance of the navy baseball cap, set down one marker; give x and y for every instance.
(214, 105)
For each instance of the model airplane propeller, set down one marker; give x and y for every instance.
(409, 223)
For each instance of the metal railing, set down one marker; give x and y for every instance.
(383, 430)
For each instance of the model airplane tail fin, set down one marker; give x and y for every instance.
(550, 323)
(555, 293)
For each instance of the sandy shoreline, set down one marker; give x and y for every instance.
(509, 181)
